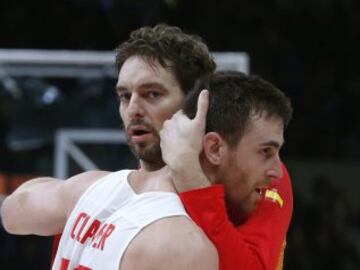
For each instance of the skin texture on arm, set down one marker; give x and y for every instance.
(179, 244)
(42, 205)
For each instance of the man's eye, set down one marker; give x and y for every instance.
(153, 94)
(267, 152)
(124, 97)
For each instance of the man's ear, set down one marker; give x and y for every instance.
(214, 148)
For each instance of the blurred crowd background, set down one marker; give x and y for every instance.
(309, 49)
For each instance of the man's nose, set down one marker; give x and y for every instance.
(276, 171)
(135, 107)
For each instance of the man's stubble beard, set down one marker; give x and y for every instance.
(150, 155)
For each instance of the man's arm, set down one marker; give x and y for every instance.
(179, 244)
(42, 205)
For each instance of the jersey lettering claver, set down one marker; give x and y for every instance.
(105, 220)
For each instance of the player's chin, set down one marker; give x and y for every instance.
(140, 146)
(251, 206)
(149, 151)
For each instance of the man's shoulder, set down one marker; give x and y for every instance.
(75, 186)
(85, 179)
(89, 175)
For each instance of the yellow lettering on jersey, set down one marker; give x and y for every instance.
(274, 196)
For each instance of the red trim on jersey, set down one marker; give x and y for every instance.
(55, 246)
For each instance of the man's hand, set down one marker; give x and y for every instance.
(181, 145)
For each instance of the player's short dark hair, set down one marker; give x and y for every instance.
(187, 56)
(234, 99)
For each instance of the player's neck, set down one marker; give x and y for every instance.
(151, 166)
(144, 181)
(236, 216)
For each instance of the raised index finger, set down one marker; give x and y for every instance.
(202, 106)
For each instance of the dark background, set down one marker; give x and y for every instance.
(309, 49)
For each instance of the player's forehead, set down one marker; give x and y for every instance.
(265, 130)
(137, 71)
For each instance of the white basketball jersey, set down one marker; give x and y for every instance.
(105, 220)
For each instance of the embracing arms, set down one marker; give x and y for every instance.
(41, 205)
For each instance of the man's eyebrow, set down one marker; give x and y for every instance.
(147, 85)
(272, 143)
(153, 84)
